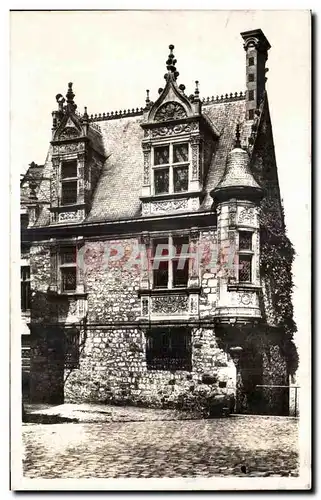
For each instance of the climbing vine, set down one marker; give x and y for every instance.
(277, 254)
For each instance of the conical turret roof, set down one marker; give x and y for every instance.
(238, 180)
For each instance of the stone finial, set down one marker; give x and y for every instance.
(147, 100)
(196, 92)
(70, 98)
(170, 65)
(237, 143)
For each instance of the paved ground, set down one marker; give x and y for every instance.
(150, 447)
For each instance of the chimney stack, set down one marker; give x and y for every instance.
(256, 47)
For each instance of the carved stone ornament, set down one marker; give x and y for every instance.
(193, 304)
(68, 148)
(246, 299)
(68, 216)
(173, 129)
(69, 133)
(171, 304)
(145, 306)
(170, 111)
(247, 216)
(169, 205)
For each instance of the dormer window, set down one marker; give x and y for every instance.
(171, 168)
(69, 182)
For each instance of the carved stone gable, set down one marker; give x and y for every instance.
(170, 111)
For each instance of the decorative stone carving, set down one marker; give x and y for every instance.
(246, 299)
(232, 214)
(170, 304)
(247, 216)
(195, 145)
(146, 152)
(170, 111)
(173, 129)
(68, 148)
(145, 208)
(68, 216)
(168, 205)
(69, 133)
(194, 304)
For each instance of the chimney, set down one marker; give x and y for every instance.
(256, 47)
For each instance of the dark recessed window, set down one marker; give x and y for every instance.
(251, 95)
(251, 114)
(169, 349)
(68, 269)
(251, 61)
(245, 240)
(25, 287)
(245, 268)
(161, 180)
(69, 191)
(251, 77)
(69, 169)
(170, 262)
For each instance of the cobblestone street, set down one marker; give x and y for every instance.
(238, 446)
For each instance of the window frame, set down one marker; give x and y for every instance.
(64, 181)
(69, 265)
(249, 253)
(171, 166)
(170, 259)
(162, 357)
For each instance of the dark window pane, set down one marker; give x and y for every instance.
(25, 272)
(251, 114)
(169, 349)
(161, 181)
(251, 77)
(251, 95)
(180, 272)
(245, 240)
(245, 268)
(180, 153)
(161, 247)
(161, 155)
(68, 278)
(69, 193)
(180, 179)
(251, 61)
(68, 255)
(160, 273)
(69, 169)
(25, 295)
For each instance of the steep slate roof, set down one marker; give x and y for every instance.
(120, 184)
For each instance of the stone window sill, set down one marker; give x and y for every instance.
(171, 196)
(243, 286)
(169, 291)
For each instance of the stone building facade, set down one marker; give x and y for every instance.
(143, 243)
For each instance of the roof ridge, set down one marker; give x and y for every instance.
(112, 115)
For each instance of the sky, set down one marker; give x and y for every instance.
(112, 57)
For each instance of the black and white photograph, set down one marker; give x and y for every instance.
(160, 264)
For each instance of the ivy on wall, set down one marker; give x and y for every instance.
(277, 254)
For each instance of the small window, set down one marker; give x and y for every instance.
(251, 77)
(25, 287)
(169, 349)
(251, 114)
(69, 169)
(251, 61)
(245, 240)
(170, 262)
(251, 95)
(161, 155)
(245, 268)
(69, 192)
(68, 269)
(71, 349)
(180, 153)
(161, 180)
